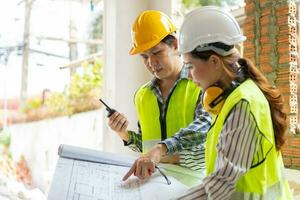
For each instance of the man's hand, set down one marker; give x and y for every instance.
(118, 123)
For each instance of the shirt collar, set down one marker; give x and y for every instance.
(184, 74)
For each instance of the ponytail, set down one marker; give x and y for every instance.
(274, 98)
(248, 70)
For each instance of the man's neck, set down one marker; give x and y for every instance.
(166, 84)
(173, 77)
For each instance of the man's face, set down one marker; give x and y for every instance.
(159, 60)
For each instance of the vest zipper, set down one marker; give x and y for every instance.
(162, 119)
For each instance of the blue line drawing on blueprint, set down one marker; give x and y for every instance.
(95, 181)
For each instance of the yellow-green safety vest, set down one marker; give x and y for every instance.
(179, 108)
(265, 181)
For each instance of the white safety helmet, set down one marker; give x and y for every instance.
(209, 28)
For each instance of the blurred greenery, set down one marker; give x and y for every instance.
(196, 3)
(32, 104)
(5, 138)
(80, 95)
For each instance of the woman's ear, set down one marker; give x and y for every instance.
(215, 60)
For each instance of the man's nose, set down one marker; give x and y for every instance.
(152, 62)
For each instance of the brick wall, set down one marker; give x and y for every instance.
(271, 30)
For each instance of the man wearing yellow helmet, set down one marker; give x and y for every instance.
(166, 104)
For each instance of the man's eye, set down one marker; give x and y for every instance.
(156, 53)
(144, 57)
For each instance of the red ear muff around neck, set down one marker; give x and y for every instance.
(213, 100)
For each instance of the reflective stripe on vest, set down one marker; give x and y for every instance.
(276, 191)
(261, 179)
(180, 111)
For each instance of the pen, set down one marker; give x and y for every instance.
(163, 174)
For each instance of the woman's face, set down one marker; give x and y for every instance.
(204, 73)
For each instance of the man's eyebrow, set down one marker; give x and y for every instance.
(155, 49)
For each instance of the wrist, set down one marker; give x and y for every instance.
(157, 152)
(124, 135)
(161, 148)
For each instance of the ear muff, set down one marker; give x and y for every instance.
(213, 99)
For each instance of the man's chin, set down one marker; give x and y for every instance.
(158, 75)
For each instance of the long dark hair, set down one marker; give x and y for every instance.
(273, 95)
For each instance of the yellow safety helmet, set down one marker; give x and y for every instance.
(149, 28)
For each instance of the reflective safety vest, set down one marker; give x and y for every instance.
(265, 181)
(179, 109)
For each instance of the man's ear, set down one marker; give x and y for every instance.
(175, 44)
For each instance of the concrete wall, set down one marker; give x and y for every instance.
(39, 141)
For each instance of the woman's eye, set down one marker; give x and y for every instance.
(189, 66)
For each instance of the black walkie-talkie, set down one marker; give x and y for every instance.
(109, 110)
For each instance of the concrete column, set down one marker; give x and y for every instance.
(123, 74)
(164, 6)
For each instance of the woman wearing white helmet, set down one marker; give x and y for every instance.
(243, 158)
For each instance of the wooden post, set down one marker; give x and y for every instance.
(73, 54)
(26, 42)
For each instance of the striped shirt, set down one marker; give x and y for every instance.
(239, 148)
(188, 141)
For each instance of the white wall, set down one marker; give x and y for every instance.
(123, 73)
(39, 141)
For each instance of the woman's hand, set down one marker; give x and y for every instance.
(144, 166)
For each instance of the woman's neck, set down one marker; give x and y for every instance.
(225, 81)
